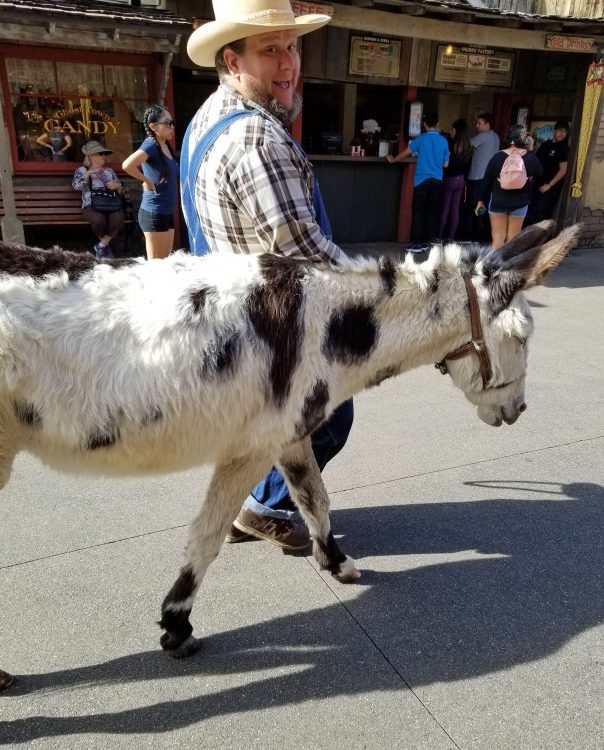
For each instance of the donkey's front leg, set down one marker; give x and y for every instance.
(306, 486)
(231, 482)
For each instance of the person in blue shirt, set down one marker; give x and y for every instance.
(159, 176)
(432, 151)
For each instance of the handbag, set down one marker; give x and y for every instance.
(105, 200)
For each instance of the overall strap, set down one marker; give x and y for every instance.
(189, 168)
(317, 199)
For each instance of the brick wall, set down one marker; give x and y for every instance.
(593, 228)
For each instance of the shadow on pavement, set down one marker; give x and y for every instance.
(450, 620)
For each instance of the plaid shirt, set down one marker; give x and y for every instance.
(254, 190)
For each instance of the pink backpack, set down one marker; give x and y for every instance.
(513, 174)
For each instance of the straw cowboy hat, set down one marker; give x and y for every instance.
(238, 19)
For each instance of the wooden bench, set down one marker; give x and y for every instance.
(39, 205)
(51, 205)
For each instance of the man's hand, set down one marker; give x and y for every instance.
(545, 188)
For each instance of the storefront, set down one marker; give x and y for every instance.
(388, 67)
(70, 73)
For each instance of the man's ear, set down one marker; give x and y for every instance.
(231, 60)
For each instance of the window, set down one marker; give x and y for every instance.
(59, 105)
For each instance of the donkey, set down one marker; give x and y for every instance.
(133, 367)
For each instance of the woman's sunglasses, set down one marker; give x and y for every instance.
(167, 123)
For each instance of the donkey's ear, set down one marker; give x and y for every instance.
(548, 256)
(529, 268)
(529, 238)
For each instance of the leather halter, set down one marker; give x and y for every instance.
(476, 345)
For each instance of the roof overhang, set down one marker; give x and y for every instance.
(85, 25)
(466, 23)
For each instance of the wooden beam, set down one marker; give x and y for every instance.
(78, 38)
(384, 23)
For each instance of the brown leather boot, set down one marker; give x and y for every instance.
(277, 531)
(234, 535)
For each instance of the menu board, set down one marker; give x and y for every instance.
(475, 65)
(374, 56)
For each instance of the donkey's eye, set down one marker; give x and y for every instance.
(520, 340)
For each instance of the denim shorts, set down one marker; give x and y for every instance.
(519, 212)
(155, 222)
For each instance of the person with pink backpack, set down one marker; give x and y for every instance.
(506, 184)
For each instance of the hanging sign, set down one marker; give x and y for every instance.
(374, 56)
(303, 9)
(416, 113)
(474, 65)
(572, 43)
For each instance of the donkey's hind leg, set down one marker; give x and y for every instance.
(304, 480)
(231, 482)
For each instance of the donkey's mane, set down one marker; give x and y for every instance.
(405, 269)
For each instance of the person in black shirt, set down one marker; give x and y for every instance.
(460, 156)
(545, 192)
(507, 208)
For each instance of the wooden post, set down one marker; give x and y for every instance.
(404, 216)
(348, 110)
(11, 226)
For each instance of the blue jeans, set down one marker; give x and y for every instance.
(271, 497)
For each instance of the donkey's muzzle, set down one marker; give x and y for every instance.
(510, 418)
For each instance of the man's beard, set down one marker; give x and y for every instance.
(274, 107)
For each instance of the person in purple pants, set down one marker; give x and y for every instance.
(460, 156)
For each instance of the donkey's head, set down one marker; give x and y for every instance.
(491, 367)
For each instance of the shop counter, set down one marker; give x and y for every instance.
(362, 195)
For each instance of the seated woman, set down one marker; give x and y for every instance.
(508, 202)
(101, 196)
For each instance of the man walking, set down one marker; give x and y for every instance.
(247, 187)
(485, 144)
(432, 151)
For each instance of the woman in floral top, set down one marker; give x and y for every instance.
(95, 174)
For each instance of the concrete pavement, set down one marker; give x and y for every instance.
(477, 624)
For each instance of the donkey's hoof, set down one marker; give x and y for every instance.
(347, 572)
(6, 680)
(186, 648)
